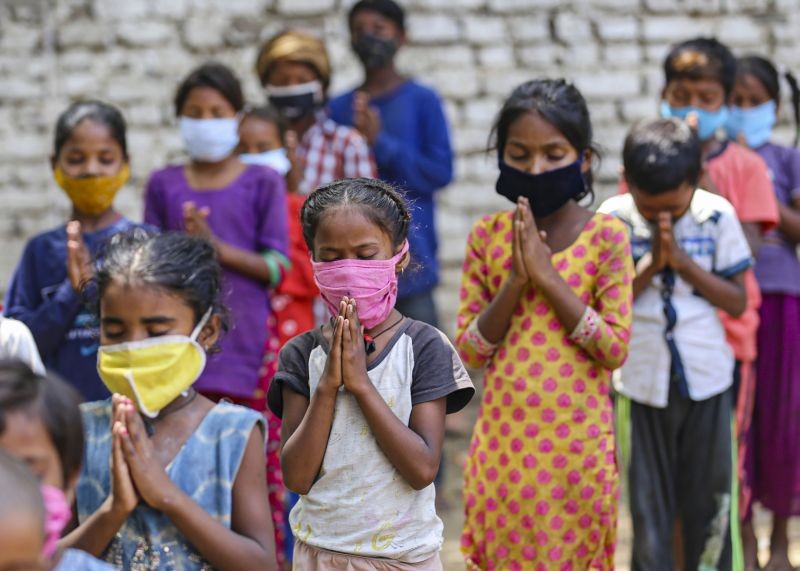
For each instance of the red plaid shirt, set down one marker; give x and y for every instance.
(331, 151)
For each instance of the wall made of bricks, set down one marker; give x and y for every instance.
(134, 52)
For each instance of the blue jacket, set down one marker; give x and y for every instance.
(62, 323)
(412, 152)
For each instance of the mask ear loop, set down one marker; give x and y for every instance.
(202, 323)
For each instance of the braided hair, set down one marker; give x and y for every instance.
(766, 73)
(380, 202)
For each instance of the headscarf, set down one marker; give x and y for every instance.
(295, 46)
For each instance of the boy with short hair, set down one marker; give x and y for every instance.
(690, 254)
(405, 125)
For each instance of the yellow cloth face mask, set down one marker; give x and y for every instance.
(153, 372)
(95, 194)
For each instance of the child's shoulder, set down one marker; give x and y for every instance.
(47, 238)
(738, 157)
(493, 224)
(707, 205)
(618, 206)
(229, 415)
(168, 172)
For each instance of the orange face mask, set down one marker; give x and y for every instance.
(92, 195)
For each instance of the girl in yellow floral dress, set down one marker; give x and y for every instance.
(546, 306)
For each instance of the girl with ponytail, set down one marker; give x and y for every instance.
(772, 466)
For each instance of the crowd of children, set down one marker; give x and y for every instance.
(262, 380)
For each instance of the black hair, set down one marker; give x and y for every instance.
(662, 154)
(21, 491)
(559, 103)
(216, 76)
(765, 72)
(386, 8)
(268, 114)
(52, 400)
(95, 111)
(379, 201)
(701, 58)
(174, 261)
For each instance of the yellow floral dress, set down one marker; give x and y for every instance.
(541, 481)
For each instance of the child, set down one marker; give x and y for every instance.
(40, 423)
(294, 69)
(16, 342)
(699, 76)
(405, 125)
(185, 485)
(21, 516)
(545, 303)
(363, 399)
(264, 140)
(90, 164)
(773, 466)
(691, 255)
(240, 208)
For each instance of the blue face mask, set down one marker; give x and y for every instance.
(275, 159)
(209, 140)
(708, 122)
(755, 123)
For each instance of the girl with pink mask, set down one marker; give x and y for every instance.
(40, 423)
(364, 397)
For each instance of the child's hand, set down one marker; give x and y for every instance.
(536, 254)
(149, 476)
(519, 274)
(365, 118)
(124, 498)
(295, 174)
(195, 221)
(354, 355)
(662, 238)
(79, 261)
(331, 378)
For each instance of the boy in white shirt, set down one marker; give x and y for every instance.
(690, 254)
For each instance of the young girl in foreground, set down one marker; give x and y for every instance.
(178, 483)
(364, 398)
(545, 303)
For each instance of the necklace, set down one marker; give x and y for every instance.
(369, 340)
(149, 424)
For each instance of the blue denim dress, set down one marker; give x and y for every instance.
(205, 469)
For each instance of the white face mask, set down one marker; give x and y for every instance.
(209, 140)
(275, 159)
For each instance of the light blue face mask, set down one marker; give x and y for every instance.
(275, 159)
(755, 123)
(209, 140)
(708, 122)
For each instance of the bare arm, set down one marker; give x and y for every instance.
(248, 544)
(727, 294)
(752, 231)
(790, 221)
(250, 264)
(307, 423)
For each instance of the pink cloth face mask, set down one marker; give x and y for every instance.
(57, 513)
(372, 283)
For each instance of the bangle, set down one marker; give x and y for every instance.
(586, 328)
(477, 340)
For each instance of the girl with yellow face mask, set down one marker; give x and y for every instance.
(171, 480)
(90, 165)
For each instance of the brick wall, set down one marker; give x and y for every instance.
(133, 53)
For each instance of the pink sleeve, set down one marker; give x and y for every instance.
(757, 198)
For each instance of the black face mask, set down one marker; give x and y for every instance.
(374, 52)
(547, 192)
(296, 101)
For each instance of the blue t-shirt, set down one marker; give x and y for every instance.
(63, 324)
(413, 152)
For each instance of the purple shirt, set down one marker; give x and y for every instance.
(249, 213)
(777, 267)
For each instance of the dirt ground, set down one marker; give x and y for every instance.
(456, 445)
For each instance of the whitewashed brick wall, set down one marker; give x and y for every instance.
(133, 53)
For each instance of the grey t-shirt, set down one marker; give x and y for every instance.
(360, 504)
